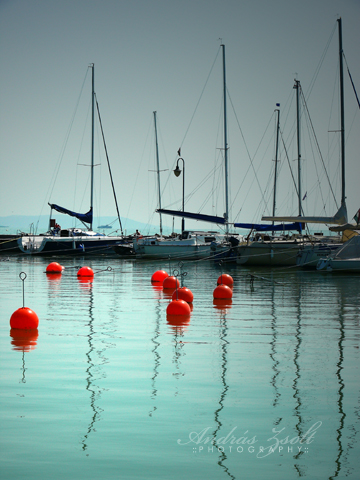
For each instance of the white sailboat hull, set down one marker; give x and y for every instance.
(76, 245)
(340, 265)
(195, 247)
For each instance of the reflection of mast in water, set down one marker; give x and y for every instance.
(273, 349)
(90, 371)
(224, 344)
(339, 365)
(296, 395)
(156, 357)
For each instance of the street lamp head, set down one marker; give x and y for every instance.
(177, 171)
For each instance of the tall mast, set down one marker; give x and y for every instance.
(225, 147)
(158, 170)
(276, 158)
(342, 127)
(298, 87)
(92, 66)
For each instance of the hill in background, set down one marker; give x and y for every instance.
(40, 224)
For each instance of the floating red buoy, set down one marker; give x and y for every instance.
(223, 291)
(225, 279)
(178, 307)
(171, 282)
(24, 318)
(85, 272)
(183, 293)
(159, 276)
(54, 267)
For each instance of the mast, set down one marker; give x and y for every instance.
(342, 127)
(298, 87)
(225, 147)
(92, 66)
(158, 170)
(276, 157)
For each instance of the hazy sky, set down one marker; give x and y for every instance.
(164, 56)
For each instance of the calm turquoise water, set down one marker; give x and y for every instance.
(112, 390)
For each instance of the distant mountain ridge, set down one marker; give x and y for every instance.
(40, 224)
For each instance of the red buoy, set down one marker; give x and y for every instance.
(85, 272)
(225, 279)
(159, 276)
(178, 307)
(223, 291)
(183, 293)
(24, 318)
(54, 267)
(171, 283)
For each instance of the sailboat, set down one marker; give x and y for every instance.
(193, 244)
(281, 250)
(307, 250)
(310, 255)
(75, 241)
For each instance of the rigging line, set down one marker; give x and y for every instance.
(161, 138)
(242, 135)
(351, 80)
(251, 165)
(317, 145)
(63, 148)
(202, 92)
(322, 58)
(108, 162)
(287, 158)
(138, 172)
(204, 180)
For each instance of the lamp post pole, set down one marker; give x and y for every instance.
(177, 172)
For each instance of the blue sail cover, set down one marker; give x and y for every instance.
(83, 217)
(272, 228)
(194, 216)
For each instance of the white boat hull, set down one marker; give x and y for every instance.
(76, 245)
(339, 265)
(192, 246)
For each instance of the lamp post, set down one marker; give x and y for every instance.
(177, 172)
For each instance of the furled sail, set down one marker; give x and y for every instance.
(194, 216)
(338, 219)
(284, 227)
(83, 217)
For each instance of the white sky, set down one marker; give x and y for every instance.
(157, 55)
